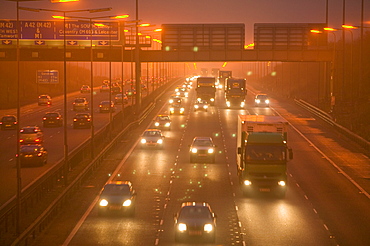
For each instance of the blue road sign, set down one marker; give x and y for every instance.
(47, 76)
(54, 30)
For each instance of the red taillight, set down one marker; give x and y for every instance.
(44, 118)
(58, 118)
(74, 119)
(88, 119)
(15, 123)
(37, 140)
(21, 140)
(39, 154)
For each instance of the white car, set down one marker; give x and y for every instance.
(152, 138)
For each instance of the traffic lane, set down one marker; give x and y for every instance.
(265, 218)
(150, 171)
(202, 182)
(53, 142)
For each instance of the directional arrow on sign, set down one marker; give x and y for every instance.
(39, 42)
(103, 43)
(6, 42)
(72, 42)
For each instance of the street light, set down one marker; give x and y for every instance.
(331, 87)
(66, 164)
(90, 20)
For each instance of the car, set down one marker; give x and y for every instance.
(131, 92)
(182, 92)
(202, 148)
(177, 109)
(152, 138)
(174, 100)
(117, 196)
(201, 105)
(163, 121)
(106, 106)
(104, 88)
(31, 135)
(44, 100)
(80, 103)
(116, 89)
(121, 99)
(195, 220)
(82, 120)
(32, 154)
(52, 119)
(8, 122)
(85, 89)
(261, 100)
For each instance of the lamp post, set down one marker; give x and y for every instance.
(332, 73)
(65, 123)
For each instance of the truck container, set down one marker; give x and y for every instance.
(262, 154)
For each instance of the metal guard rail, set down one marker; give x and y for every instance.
(326, 117)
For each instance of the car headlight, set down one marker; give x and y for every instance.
(247, 182)
(208, 227)
(267, 101)
(182, 109)
(205, 106)
(281, 183)
(212, 99)
(156, 124)
(143, 140)
(210, 151)
(167, 124)
(196, 106)
(160, 141)
(228, 104)
(172, 109)
(127, 203)
(182, 227)
(194, 150)
(258, 100)
(103, 203)
(170, 101)
(178, 93)
(242, 104)
(186, 94)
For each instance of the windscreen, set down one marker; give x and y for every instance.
(264, 153)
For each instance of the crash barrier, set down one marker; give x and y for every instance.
(34, 192)
(326, 117)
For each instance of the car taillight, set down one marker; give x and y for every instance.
(44, 118)
(37, 140)
(21, 140)
(39, 154)
(74, 119)
(58, 118)
(88, 119)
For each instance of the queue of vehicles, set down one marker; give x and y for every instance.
(194, 219)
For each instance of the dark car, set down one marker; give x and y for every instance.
(117, 196)
(32, 154)
(82, 120)
(202, 149)
(195, 220)
(104, 88)
(8, 122)
(120, 99)
(31, 135)
(163, 121)
(107, 106)
(52, 119)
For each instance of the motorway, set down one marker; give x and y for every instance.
(327, 202)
